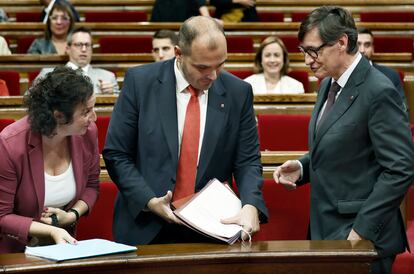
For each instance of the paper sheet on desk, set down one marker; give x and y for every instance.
(84, 249)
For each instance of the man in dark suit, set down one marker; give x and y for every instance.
(366, 47)
(144, 145)
(360, 162)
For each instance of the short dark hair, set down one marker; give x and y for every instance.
(62, 90)
(166, 34)
(365, 31)
(195, 27)
(79, 29)
(62, 6)
(258, 59)
(332, 22)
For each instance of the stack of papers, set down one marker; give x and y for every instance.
(84, 249)
(205, 210)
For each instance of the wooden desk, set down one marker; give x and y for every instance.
(274, 257)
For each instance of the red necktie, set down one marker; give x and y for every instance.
(187, 164)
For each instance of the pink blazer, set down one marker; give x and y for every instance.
(22, 182)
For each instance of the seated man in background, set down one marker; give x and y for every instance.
(79, 49)
(366, 47)
(163, 43)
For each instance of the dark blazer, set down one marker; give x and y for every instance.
(141, 150)
(22, 182)
(175, 10)
(360, 162)
(394, 77)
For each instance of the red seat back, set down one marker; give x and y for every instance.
(299, 16)
(268, 16)
(302, 76)
(98, 224)
(125, 44)
(24, 43)
(239, 44)
(5, 122)
(32, 76)
(12, 79)
(102, 123)
(116, 16)
(241, 73)
(384, 16)
(28, 16)
(288, 213)
(393, 44)
(291, 43)
(283, 132)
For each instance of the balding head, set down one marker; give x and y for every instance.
(202, 28)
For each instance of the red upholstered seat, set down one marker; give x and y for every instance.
(32, 76)
(268, 16)
(12, 79)
(299, 16)
(303, 77)
(283, 132)
(24, 43)
(404, 263)
(241, 73)
(412, 132)
(239, 44)
(28, 16)
(288, 213)
(5, 122)
(125, 44)
(98, 224)
(116, 16)
(102, 123)
(385, 16)
(291, 43)
(393, 44)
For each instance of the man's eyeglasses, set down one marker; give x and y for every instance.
(81, 45)
(311, 51)
(62, 18)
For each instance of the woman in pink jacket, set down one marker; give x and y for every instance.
(49, 164)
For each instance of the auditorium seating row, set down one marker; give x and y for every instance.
(264, 16)
(235, 44)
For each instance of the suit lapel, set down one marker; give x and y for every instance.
(217, 110)
(76, 153)
(36, 165)
(345, 99)
(166, 94)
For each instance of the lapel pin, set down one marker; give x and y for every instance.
(351, 98)
(222, 105)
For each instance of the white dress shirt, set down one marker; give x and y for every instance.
(183, 97)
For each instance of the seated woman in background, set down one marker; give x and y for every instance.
(49, 164)
(271, 64)
(59, 23)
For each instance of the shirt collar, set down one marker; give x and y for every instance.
(345, 76)
(75, 67)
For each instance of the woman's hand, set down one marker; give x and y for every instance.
(61, 236)
(64, 218)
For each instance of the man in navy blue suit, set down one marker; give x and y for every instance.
(144, 141)
(366, 47)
